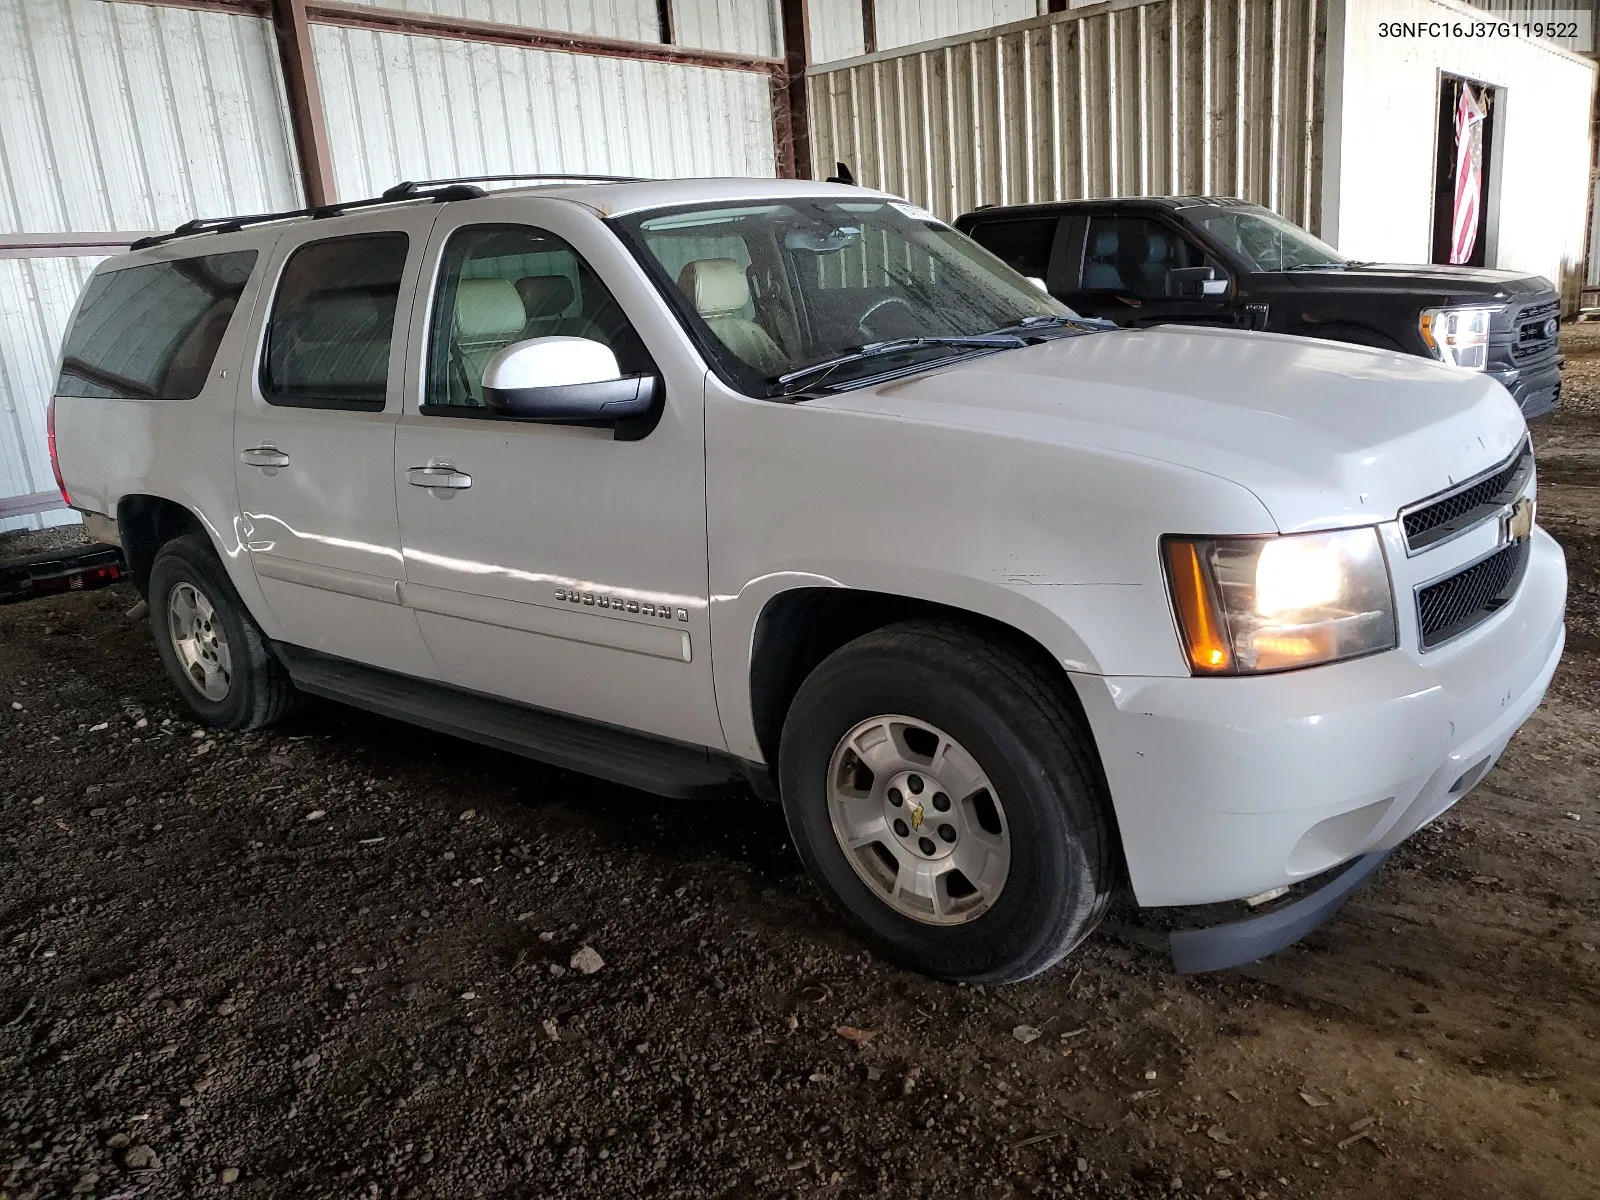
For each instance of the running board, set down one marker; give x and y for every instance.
(632, 759)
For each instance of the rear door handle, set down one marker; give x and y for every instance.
(437, 475)
(264, 456)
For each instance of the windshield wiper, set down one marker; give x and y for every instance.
(1052, 321)
(1322, 266)
(816, 372)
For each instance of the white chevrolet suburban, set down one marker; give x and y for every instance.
(789, 487)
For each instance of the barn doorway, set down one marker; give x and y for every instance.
(1464, 158)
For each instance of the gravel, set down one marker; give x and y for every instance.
(470, 976)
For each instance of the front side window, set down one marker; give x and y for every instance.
(333, 323)
(1131, 256)
(1265, 240)
(500, 284)
(772, 289)
(152, 332)
(1024, 245)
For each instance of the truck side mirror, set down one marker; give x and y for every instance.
(564, 379)
(1194, 283)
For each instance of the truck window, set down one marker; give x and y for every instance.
(151, 332)
(332, 323)
(1132, 255)
(1023, 245)
(500, 284)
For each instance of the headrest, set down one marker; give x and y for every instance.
(488, 310)
(545, 295)
(717, 286)
(1156, 247)
(1105, 242)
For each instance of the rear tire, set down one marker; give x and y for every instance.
(210, 644)
(934, 708)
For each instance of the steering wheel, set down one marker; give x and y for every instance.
(873, 309)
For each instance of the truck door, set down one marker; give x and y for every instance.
(1124, 274)
(554, 565)
(314, 437)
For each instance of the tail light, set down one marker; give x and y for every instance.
(55, 462)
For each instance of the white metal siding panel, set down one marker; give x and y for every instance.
(738, 26)
(634, 20)
(404, 107)
(36, 299)
(905, 22)
(1168, 96)
(1391, 100)
(835, 30)
(126, 116)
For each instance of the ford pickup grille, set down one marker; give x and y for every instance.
(1529, 340)
(1440, 518)
(1455, 604)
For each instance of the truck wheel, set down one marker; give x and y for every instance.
(948, 801)
(210, 644)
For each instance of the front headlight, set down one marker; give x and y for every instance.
(1246, 605)
(1458, 336)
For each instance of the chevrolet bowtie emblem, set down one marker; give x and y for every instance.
(1518, 523)
(916, 816)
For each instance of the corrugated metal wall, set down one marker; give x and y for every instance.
(1127, 98)
(634, 20)
(405, 107)
(125, 116)
(36, 298)
(117, 117)
(906, 22)
(835, 29)
(738, 26)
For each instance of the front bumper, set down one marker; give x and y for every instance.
(1537, 390)
(1225, 788)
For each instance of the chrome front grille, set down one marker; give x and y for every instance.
(1450, 606)
(1437, 519)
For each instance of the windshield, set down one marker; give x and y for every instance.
(1264, 239)
(772, 289)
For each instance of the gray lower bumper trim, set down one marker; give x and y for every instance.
(1240, 942)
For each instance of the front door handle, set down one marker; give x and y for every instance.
(437, 475)
(264, 456)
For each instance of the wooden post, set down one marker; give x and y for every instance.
(305, 99)
(791, 124)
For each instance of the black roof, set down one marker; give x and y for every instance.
(1164, 203)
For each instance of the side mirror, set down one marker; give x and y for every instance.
(1038, 283)
(1194, 283)
(564, 379)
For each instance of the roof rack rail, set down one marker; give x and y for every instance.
(402, 191)
(439, 191)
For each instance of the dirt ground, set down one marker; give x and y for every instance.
(335, 959)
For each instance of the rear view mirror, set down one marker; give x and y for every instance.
(1194, 283)
(563, 379)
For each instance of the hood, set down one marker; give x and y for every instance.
(1435, 285)
(1324, 434)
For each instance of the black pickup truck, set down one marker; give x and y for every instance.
(1205, 260)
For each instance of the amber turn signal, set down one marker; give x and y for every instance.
(1198, 616)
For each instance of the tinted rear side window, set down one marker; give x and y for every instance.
(151, 333)
(1024, 246)
(333, 322)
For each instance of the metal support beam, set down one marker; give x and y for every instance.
(290, 23)
(363, 16)
(869, 26)
(790, 121)
(664, 22)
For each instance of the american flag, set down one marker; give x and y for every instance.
(1469, 175)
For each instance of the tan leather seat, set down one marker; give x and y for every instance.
(489, 317)
(547, 298)
(720, 293)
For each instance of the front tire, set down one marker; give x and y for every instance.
(946, 798)
(210, 645)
